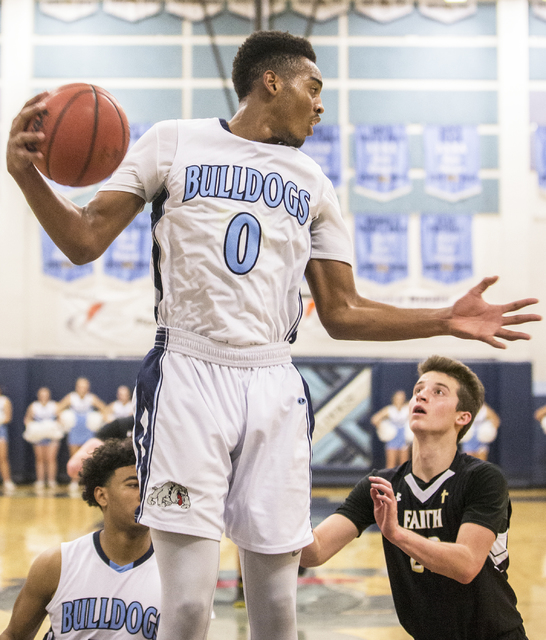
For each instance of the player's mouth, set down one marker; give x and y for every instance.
(418, 409)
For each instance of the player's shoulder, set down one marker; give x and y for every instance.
(477, 470)
(45, 571)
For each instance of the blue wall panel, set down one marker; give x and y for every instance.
(422, 107)
(108, 61)
(479, 63)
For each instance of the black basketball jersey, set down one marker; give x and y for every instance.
(431, 606)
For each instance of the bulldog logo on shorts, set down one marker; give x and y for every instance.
(169, 494)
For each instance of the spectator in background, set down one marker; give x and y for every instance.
(392, 424)
(44, 432)
(81, 414)
(122, 407)
(482, 432)
(6, 413)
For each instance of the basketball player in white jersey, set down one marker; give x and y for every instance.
(104, 585)
(223, 422)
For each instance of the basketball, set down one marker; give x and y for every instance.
(86, 135)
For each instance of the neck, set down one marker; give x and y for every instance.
(124, 547)
(430, 456)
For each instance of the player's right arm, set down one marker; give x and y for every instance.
(81, 233)
(29, 609)
(331, 535)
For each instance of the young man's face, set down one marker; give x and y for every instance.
(433, 406)
(123, 497)
(300, 105)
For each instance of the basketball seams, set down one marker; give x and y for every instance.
(56, 127)
(93, 138)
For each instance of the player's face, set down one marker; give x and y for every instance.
(433, 406)
(123, 497)
(299, 105)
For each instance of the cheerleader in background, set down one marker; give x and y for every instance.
(6, 412)
(392, 424)
(122, 407)
(44, 432)
(482, 432)
(81, 413)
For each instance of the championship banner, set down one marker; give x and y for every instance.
(128, 257)
(452, 162)
(381, 247)
(446, 247)
(131, 11)
(57, 265)
(324, 147)
(382, 161)
(68, 11)
(448, 13)
(540, 157)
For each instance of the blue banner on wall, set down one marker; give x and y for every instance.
(381, 247)
(382, 161)
(57, 265)
(452, 162)
(128, 257)
(324, 147)
(446, 247)
(540, 156)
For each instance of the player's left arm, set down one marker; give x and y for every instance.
(461, 560)
(348, 316)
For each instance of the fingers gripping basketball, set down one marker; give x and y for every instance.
(86, 135)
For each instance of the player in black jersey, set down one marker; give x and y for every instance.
(444, 517)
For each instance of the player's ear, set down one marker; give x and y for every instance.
(463, 418)
(271, 82)
(101, 496)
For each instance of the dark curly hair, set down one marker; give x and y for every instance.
(470, 393)
(100, 467)
(263, 50)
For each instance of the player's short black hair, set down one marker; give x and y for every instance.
(470, 393)
(99, 468)
(277, 51)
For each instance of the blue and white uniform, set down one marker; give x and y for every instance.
(399, 418)
(80, 432)
(3, 424)
(234, 224)
(98, 599)
(121, 410)
(40, 412)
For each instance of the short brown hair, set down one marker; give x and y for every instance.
(470, 392)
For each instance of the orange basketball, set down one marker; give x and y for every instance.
(86, 135)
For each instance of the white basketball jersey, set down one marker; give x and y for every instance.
(99, 600)
(46, 411)
(234, 225)
(79, 404)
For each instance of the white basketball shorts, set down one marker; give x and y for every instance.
(223, 441)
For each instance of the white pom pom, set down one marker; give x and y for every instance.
(43, 430)
(386, 431)
(67, 418)
(94, 421)
(486, 432)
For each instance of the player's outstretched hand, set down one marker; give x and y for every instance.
(475, 319)
(385, 507)
(20, 153)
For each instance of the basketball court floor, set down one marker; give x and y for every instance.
(348, 597)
